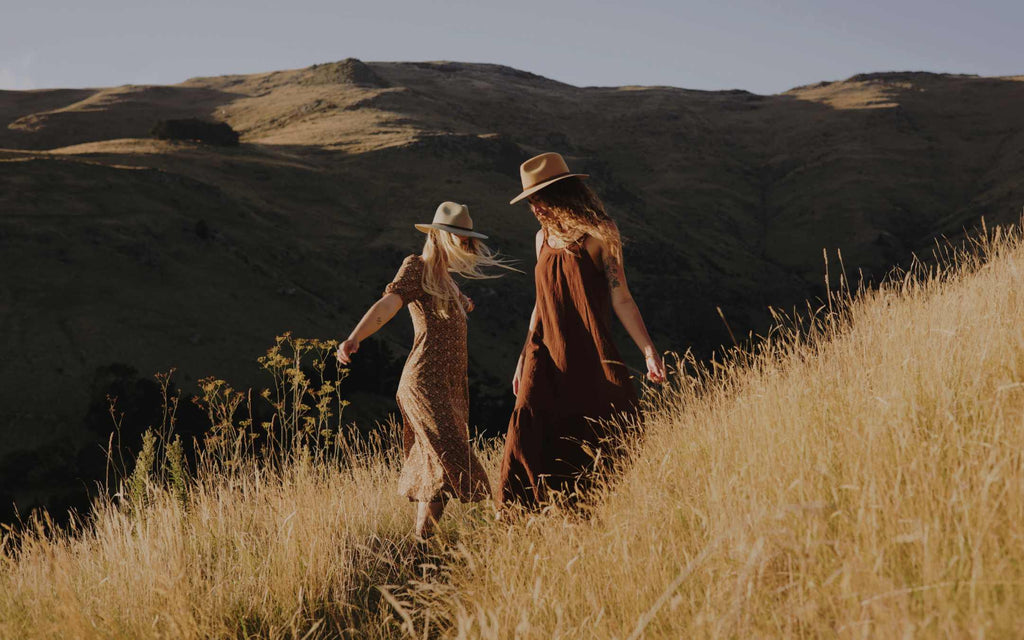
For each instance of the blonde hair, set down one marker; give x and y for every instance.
(569, 208)
(443, 255)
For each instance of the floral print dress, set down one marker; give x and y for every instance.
(433, 396)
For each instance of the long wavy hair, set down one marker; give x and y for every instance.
(569, 208)
(443, 255)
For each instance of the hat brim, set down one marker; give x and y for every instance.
(537, 187)
(425, 228)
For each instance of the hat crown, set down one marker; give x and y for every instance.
(453, 218)
(542, 168)
(540, 171)
(453, 214)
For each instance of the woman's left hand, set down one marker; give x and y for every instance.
(655, 368)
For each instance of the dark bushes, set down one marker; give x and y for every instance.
(196, 130)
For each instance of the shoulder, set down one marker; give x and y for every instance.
(595, 247)
(539, 240)
(412, 267)
(407, 281)
(412, 261)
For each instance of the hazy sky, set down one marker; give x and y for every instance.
(766, 46)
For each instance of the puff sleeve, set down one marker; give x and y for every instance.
(408, 282)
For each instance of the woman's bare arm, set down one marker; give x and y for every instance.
(519, 365)
(539, 241)
(375, 317)
(533, 323)
(626, 309)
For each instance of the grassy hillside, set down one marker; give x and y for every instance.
(122, 255)
(854, 475)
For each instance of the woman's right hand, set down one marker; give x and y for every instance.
(655, 367)
(346, 349)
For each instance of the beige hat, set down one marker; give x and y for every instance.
(541, 171)
(453, 218)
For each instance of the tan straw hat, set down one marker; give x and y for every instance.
(541, 171)
(453, 218)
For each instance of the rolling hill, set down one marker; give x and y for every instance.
(123, 255)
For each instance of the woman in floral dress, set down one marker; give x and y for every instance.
(433, 393)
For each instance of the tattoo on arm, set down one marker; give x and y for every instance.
(612, 273)
(379, 320)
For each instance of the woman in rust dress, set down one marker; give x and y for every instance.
(570, 375)
(433, 395)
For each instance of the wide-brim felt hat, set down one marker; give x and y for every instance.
(453, 218)
(542, 171)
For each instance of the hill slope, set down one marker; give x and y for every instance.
(123, 254)
(864, 482)
(859, 479)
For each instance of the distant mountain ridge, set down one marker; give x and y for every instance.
(118, 249)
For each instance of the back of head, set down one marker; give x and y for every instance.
(569, 208)
(444, 254)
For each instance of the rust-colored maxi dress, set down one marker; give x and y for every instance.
(433, 397)
(572, 375)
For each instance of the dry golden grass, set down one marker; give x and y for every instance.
(860, 478)
(254, 553)
(868, 483)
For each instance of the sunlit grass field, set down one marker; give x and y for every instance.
(858, 473)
